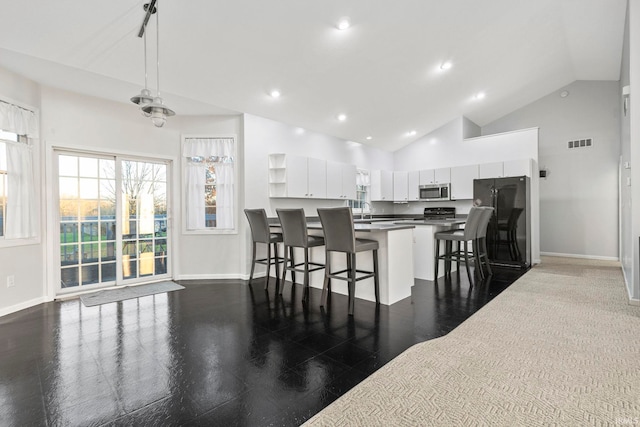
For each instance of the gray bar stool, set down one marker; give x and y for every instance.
(339, 236)
(295, 235)
(464, 235)
(480, 244)
(260, 233)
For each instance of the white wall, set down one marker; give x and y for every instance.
(626, 230)
(579, 197)
(634, 138)
(76, 121)
(25, 263)
(263, 137)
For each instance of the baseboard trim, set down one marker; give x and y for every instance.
(22, 306)
(633, 301)
(597, 257)
(218, 276)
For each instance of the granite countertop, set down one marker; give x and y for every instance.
(368, 227)
(443, 222)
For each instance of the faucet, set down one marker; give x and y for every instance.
(362, 209)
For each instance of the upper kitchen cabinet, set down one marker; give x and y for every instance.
(507, 168)
(296, 176)
(491, 170)
(381, 186)
(435, 176)
(414, 183)
(518, 167)
(400, 186)
(462, 181)
(341, 181)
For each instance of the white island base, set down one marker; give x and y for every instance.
(395, 267)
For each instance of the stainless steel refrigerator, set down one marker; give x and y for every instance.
(509, 232)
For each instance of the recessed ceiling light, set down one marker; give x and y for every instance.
(342, 117)
(343, 23)
(446, 65)
(412, 133)
(369, 138)
(564, 93)
(480, 95)
(275, 93)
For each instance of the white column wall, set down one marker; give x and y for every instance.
(634, 79)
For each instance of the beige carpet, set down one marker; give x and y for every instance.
(561, 346)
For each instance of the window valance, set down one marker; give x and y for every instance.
(18, 120)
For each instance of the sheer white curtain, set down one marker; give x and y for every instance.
(220, 152)
(195, 177)
(22, 213)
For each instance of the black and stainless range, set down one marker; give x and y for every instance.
(439, 213)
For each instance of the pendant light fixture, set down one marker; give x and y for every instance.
(153, 107)
(144, 97)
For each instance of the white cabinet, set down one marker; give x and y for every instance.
(435, 176)
(341, 181)
(296, 176)
(400, 186)
(491, 170)
(381, 186)
(414, 183)
(462, 182)
(518, 167)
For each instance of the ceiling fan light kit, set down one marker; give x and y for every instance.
(151, 106)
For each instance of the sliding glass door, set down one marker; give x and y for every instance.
(112, 215)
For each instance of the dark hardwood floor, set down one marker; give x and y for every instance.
(217, 353)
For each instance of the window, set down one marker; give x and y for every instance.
(209, 176)
(362, 200)
(18, 194)
(5, 137)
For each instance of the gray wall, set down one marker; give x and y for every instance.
(579, 197)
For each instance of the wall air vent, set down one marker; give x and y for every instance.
(580, 143)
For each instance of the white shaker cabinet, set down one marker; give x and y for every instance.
(400, 186)
(518, 167)
(435, 176)
(297, 177)
(414, 183)
(381, 186)
(491, 170)
(462, 182)
(341, 181)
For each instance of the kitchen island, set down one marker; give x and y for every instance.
(424, 245)
(395, 261)
(406, 253)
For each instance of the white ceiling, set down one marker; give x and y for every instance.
(224, 57)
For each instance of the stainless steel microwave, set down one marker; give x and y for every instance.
(435, 192)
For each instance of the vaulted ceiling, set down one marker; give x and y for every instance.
(384, 72)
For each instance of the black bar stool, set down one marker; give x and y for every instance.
(295, 235)
(260, 233)
(464, 235)
(339, 236)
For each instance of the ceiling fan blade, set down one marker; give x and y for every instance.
(150, 9)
